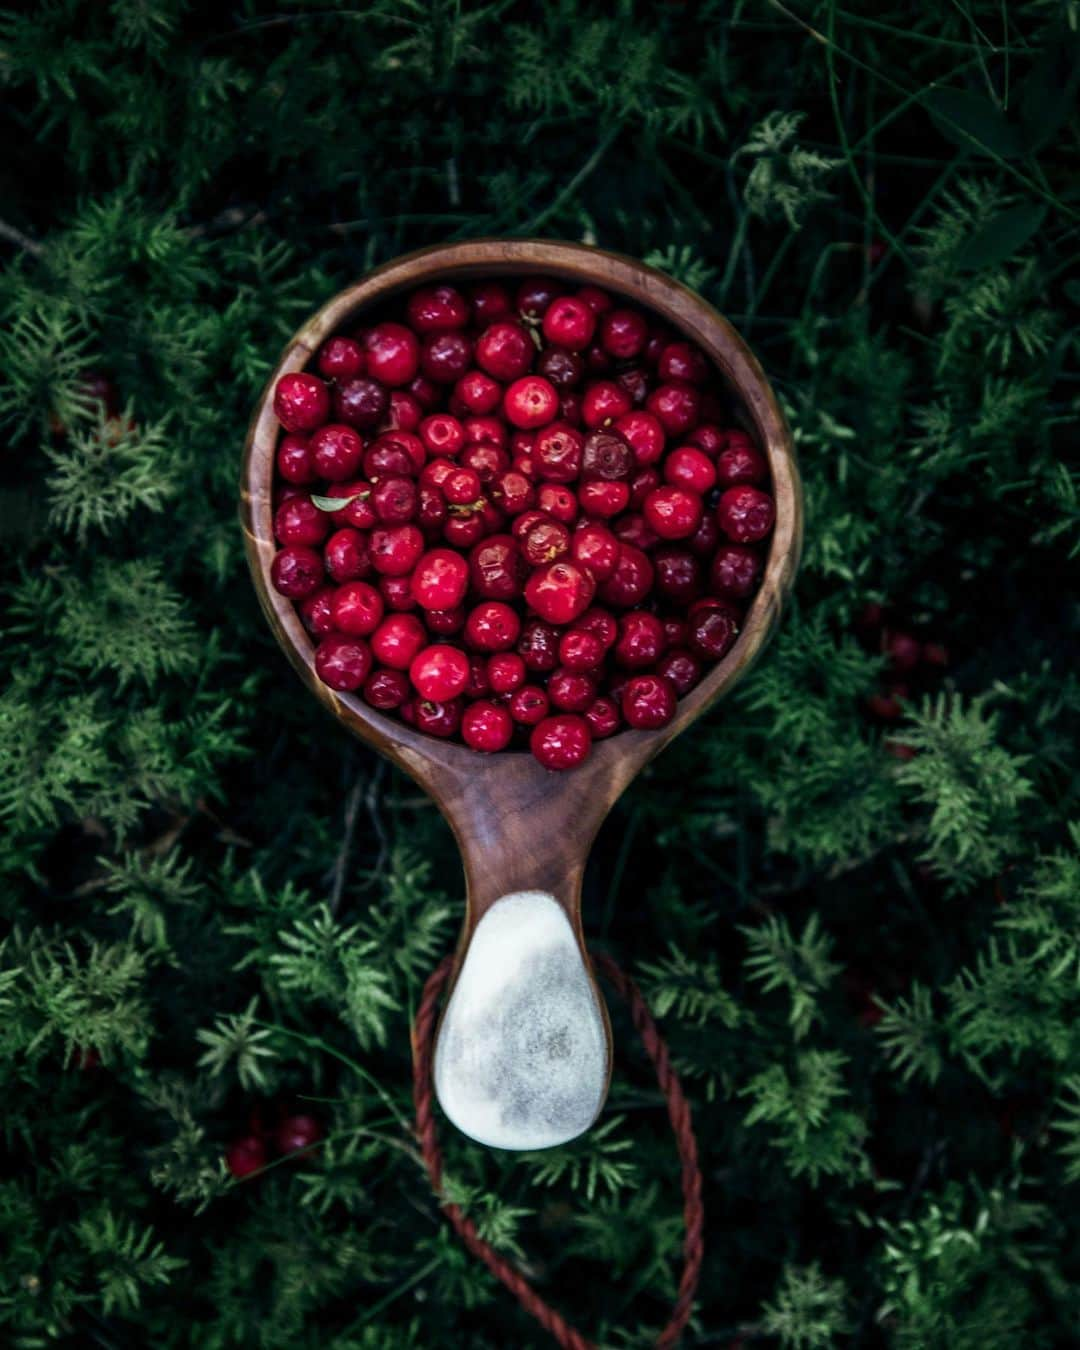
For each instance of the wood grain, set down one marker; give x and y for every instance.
(518, 826)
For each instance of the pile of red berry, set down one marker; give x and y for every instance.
(517, 515)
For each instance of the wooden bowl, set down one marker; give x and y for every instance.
(522, 829)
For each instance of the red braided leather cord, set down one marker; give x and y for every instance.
(423, 1036)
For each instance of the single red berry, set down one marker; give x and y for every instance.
(297, 571)
(561, 368)
(598, 301)
(297, 1134)
(707, 436)
(569, 322)
(603, 402)
(631, 581)
(547, 540)
(442, 434)
(393, 354)
(505, 350)
(360, 402)
(492, 626)
(299, 521)
(346, 555)
(904, 651)
(496, 568)
(396, 452)
(439, 672)
(440, 579)
(529, 705)
(316, 611)
(737, 464)
(512, 492)
(560, 591)
(403, 412)
(899, 750)
(486, 727)
(485, 460)
(485, 431)
(640, 641)
(888, 706)
(735, 572)
(683, 361)
(505, 672)
(475, 393)
(357, 509)
(623, 333)
(396, 549)
(603, 718)
(530, 401)
(538, 646)
(397, 641)
(438, 719)
(673, 512)
(336, 452)
(678, 574)
(437, 309)
(604, 499)
(681, 668)
(446, 357)
(580, 650)
(557, 500)
(934, 654)
(294, 462)
(356, 608)
(607, 456)
(570, 690)
(386, 689)
(677, 406)
(561, 742)
(557, 453)
(600, 623)
(246, 1156)
(535, 295)
(461, 487)
(595, 548)
(340, 358)
(745, 514)
(466, 529)
(396, 593)
(342, 661)
(712, 632)
(426, 392)
(395, 500)
(301, 401)
(644, 434)
(490, 301)
(648, 702)
(691, 468)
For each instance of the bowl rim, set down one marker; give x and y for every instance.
(683, 309)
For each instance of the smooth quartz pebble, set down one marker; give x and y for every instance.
(522, 1055)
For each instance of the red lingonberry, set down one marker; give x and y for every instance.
(737, 464)
(640, 642)
(343, 661)
(678, 573)
(438, 719)
(505, 350)
(623, 333)
(496, 568)
(397, 640)
(712, 632)
(557, 453)
(596, 549)
(340, 358)
(570, 690)
(535, 295)
(396, 549)
(529, 704)
(439, 672)
(395, 500)
(336, 452)
(631, 580)
(598, 301)
(604, 499)
(538, 645)
(492, 626)
(294, 462)
(530, 401)
(445, 357)
(644, 434)
(487, 727)
(691, 468)
(603, 718)
(506, 672)
(393, 354)
(445, 622)
(681, 667)
(648, 702)
(297, 1134)
(676, 406)
(745, 514)
(437, 309)
(360, 402)
(356, 608)
(246, 1156)
(683, 361)
(386, 689)
(297, 571)
(490, 301)
(580, 650)
(562, 741)
(569, 322)
(442, 434)
(735, 571)
(440, 579)
(346, 554)
(461, 487)
(299, 521)
(557, 500)
(547, 540)
(604, 401)
(560, 591)
(561, 368)
(316, 611)
(301, 401)
(672, 512)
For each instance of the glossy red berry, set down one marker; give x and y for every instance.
(246, 1156)
(603, 718)
(496, 568)
(570, 690)
(297, 571)
(462, 487)
(506, 672)
(740, 464)
(340, 358)
(294, 462)
(561, 742)
(678, 573)
(648, 702)
(535, 295)
(561, 368)
(547, 540)
(631, 581)
(346, 555)
(386, 689)
(712, 632)
(683, 361)
(598, 301)
(560, 591)
(672, 512)
(487, 727)
(439, 672)
(396, 549)
(342, 661)
(623, 333)
(490, 301)
(442, 434)
(603, 499)
(505, 351)
(904, 651)
(596, 549)
(644, 434)
(640, 641)
(580, 650)
(604, 401)
(557, 500)
(297, 1134)
(492, 626)
(682, 668)
(316, 611)
(601, 623)
(356, 608)
(745, 514)
(676, 406)
(446, 357)
(440, 579)
(360, 402)
(445, 622)
(397, 640)
(299, 521)
(569, 322)
(529, 705)
(438, 719)
(538, 645)
(393, 354)
(690, 468)
(301, 401)
(437, 309)
(395, 500)
(530, 402)
(735, 571)
(396, 593)
(557, 453)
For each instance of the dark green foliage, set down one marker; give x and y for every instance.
(864, 944)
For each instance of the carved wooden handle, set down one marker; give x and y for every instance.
(523, 1057)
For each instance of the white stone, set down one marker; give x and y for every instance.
(522, 1057)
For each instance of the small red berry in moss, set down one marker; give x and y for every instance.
(640, 641)
(888, 706)
(356, 608)
(439, 672)
(631, 581)
(899, 750)
(538, 645)
(341, 358)
(735, 572)
(505, 351)
(691, 468)
(712, 632)
(393, 354)
(903, 650)
(648, 702)
(294, 462)
(360, 402)
(623, 333)
(496, 568)
(246, 1156)
(297, 1134)
(561, 742)
(440, 579)
(437, 309)
(346, 555)
(342, 661)
(486, 727)
(604, 401)
(297, 571)
(745, 514)
(530, 402)
(505, 672)
(397, 641)
(396, 549)
(683, 361)
(673, 512)
(569, 322)
(301, 401)
(438, 719)
(386, 689)
(560, 591)
(681, 667)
